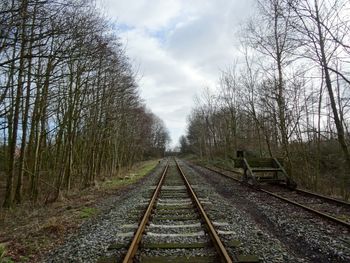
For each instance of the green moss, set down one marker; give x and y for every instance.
(87, 212)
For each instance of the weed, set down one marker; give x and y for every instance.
(2, 251)
(87, 212)
(3, 258)
(133, 176)
(24, 259)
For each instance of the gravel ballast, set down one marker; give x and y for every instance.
(118, 215)
(241, 227)
(286, 229)
(256, 223)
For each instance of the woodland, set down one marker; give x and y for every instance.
(286, 94)
(70, 110)
(71, 113)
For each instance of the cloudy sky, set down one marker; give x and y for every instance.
(178, 47)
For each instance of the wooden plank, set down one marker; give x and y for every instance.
(266, 169)
(248, 259)
(175, 245)
(179, 259)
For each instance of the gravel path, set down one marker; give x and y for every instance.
(277, 230)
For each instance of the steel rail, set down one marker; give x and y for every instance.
(303, 191)
(342, 202)
(214, 236)
(138, 235)
(231, 177)
(334, 219)
(324, 215)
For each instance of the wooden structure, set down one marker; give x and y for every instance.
(260, 170)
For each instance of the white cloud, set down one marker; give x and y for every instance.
(150, 14)
(179, 47)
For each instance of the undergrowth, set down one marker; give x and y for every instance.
(87, 212)
(3, 257)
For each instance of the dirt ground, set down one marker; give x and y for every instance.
(28, 231)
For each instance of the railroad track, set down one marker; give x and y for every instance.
(337, 211)
(176, 228)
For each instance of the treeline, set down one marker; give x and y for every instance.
(69, 105)
(287, 95)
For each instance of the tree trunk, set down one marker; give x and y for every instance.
(328, 81)
(12, 146)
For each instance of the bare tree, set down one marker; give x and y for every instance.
(320, 29)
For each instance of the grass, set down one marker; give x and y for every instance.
(30, 231)
(226, 164)
(87, 212)
(188, 157)
(135, 174)
(223, 163)
(3, 257)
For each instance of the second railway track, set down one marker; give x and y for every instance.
(329, 208)
(176, 228)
